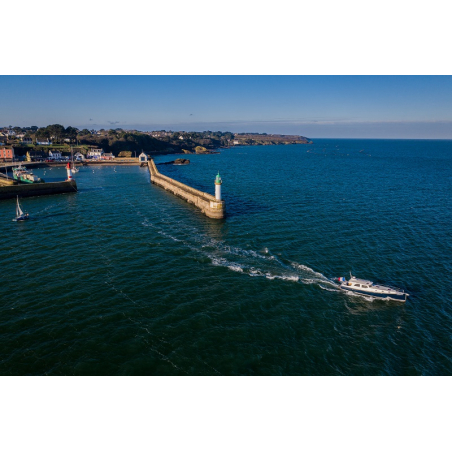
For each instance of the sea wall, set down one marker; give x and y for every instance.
(6, 180)
(46, 188)
(207, 203)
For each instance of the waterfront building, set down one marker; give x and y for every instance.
(79, 156)
(95, 154)
(6, 153)
(108, 156)
(44, 142)
(143, 158)
(55, 155)
(35, 156)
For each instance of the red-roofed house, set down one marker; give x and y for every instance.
(6, 153)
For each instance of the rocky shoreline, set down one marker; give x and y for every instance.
(176, 162)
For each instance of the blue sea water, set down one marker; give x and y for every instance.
(123, 278)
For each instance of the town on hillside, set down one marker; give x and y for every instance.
(58, 143)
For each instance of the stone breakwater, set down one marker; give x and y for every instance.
(207, 203)
(46, 188)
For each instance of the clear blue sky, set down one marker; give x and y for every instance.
(314, 106)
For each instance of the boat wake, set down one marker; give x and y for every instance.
(249, 262)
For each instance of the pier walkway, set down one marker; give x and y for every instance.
(207, 203)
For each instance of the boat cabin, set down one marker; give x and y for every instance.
(362, 283)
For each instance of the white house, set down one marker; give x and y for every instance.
(44, 142)
(143, 157)
(54, 155)
(79, 156)
(27, 141)
(95, 154)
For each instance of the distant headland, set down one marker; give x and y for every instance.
(130, 143)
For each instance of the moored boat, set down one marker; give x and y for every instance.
(22, 174)
(365, 287)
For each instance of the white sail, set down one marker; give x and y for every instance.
(18, 209)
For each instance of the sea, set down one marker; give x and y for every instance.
(124, 278)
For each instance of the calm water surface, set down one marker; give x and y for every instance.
(124, 278)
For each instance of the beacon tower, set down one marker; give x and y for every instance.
(69, 172)
(218, 183)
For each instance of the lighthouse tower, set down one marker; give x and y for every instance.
(218, 183)
(69, 172)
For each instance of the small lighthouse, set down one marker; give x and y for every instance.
(69, 172)
(218, 183)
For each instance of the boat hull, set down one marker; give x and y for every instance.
(21, 218)
(383, 295)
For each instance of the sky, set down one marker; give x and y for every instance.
(312, 106)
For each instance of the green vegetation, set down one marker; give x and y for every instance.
(125, 154)
(122, 142)
(57, 133)
(262, 139)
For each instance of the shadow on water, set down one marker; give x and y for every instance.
(238, 206)
(83, 190)
(235, 204)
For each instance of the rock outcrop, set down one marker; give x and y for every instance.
(181, 162)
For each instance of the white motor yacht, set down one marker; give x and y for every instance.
(365, 287)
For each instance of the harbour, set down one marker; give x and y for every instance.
(134, 280)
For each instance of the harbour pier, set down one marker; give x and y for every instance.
(10, 188)
(211, 206)
(45, 188)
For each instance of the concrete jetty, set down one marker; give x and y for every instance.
(6, 180)
(208, 204)
(45, 188)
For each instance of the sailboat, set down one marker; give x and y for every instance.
(73, 167)
(20, 215)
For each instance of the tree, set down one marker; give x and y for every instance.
(84, 132)
(71, 133)
(43, 132)
(56, 131)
